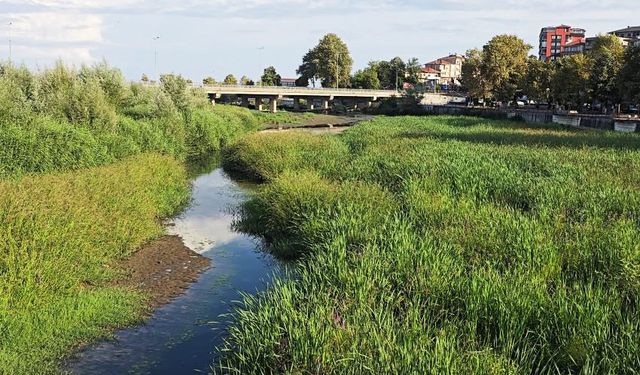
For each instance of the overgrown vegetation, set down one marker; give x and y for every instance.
(443, 245)
(65, 118)
(62, 236)
(89, 164)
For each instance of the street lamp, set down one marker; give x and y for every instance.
(337, 69)
(260, 59)
(155, 56)
(10, 52)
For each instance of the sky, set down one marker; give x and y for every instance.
(200, 38)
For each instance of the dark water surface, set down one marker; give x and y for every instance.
(180, 337)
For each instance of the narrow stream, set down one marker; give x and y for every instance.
(180, 337)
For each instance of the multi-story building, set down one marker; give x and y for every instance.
(554, 40)
(630, 32)
(448, 68)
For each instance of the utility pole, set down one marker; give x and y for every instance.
(10, 35)
(155, 56)
(337, 69)
(260, 59)
(396, 79)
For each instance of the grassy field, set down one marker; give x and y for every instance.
(445, 245)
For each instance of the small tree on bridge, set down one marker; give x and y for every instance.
(230, 80)
(209, 81)
(270, 77)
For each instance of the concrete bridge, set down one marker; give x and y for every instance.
(314, 98)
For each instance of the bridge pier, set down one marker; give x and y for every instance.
(258, 104)
(273, 105)
(310, 104)
(325, 103)
(245, 101)
(296, 103)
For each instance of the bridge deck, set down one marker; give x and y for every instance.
(282, 91)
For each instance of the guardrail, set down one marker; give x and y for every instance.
(222, 86)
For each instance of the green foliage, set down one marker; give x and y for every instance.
(246, 81)
(504, 61)
(329, 61)
(230, 80)
(209, 81)
(538, 79)
(176, 87)
(390, 73)
(63, 119)
(571, 81)
(629, 78)
(473, 76)
(270, 77)
(62, 237)
(366, 78)
(606, 56)
(444, 245)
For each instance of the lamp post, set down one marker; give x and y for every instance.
(10, 35)
(260, 59)
(337, 69)
(155, 56)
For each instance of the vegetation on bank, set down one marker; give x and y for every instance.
(89, 164)
(443, 245)
(65, 118)
(62, 236)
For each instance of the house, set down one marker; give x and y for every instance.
(428, 75)
(448, 68)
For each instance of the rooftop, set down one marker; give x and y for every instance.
(628, 29)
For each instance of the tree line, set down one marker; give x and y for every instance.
(329, 64)
(604, 77)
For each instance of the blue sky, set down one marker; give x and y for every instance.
(199, 38)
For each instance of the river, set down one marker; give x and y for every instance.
(181, 336)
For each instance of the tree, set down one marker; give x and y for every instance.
(144, 78)
(246, 81)
(270, 77)
(390, 73)
(412, 70)
(176, 87)
(209, 81)
(366, 78)
(302, 81)
(504, 61)
(571, 81)
(473, 78)
(606, 58)
(537, 80)
(230, 80)
(629, 77)
(329, 61)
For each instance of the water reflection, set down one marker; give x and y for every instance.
(181, 336)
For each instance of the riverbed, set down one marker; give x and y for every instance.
(181, 336)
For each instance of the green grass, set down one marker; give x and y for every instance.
(443, 245)
(89, 164)
(63, 236)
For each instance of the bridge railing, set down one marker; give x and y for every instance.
(292, 88)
